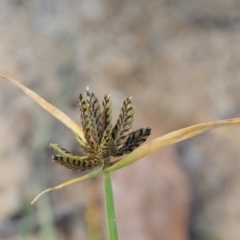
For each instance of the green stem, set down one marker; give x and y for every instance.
(109, 207)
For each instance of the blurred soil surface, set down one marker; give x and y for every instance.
(179, 60)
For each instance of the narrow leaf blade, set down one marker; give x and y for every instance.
(87, 176)
(48, 107)
(170, 139)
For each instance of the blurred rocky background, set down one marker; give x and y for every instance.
(180, 62)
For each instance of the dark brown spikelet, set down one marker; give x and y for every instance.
(134, 140)
(95, 116)
(106, 113)
(101, 140)
(61, 150)
(124, 123)
(105, 147)
(86, 120)
(84, 111)
(76, 164)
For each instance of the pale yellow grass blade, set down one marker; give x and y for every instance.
(87, 176)
(48, 107)
(170, 139)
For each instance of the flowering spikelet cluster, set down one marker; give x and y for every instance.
(102, 139)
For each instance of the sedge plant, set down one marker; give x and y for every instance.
(101, 141)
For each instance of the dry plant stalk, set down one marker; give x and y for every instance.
(100, 141)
